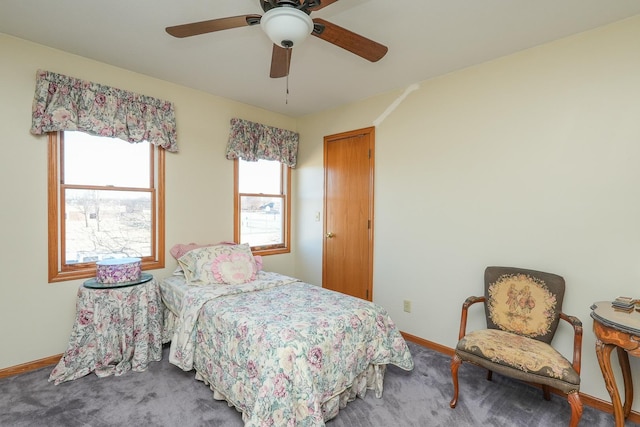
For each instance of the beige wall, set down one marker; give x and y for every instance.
(532, 160)
(35, 316)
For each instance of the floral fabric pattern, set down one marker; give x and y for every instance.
(234, 269)
(116, 330)
(254, 141)
(202, 266)
(522, 304)
(65, 103)
(522, 353)
(118, 270)
(285, 352)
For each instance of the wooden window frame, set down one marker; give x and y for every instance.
(57, 271)
(285, 193)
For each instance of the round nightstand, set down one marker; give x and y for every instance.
(117, 329)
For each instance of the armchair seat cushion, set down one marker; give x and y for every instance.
(535, 359)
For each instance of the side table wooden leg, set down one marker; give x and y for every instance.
(603, 351)
(623, 358)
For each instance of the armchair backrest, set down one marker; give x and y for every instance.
(524, 302)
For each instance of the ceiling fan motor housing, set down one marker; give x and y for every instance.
(286, 26)
(298, 4)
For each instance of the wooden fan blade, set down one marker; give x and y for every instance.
(323, 3)
(280, 61)
(202, 27)
(354, 43)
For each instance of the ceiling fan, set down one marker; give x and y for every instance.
(287, 23)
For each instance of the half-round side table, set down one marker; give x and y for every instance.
(621, 331)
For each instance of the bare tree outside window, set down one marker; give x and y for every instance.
(107, 192)
(107, 224)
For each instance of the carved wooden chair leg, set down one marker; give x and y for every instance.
(546, 392)
(576, 408)
(455, 364)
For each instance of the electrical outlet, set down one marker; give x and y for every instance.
(407, 306)
(317, 216)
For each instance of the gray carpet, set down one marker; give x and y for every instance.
(166, 396)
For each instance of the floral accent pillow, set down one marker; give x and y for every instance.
(233, 262)
(234, 269)
(180, 249)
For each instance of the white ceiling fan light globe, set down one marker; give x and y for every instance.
(286, 24)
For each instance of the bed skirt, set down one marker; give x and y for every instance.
(169, 325)
(371, 379)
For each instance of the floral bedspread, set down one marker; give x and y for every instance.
(184, 338)
(283, 351)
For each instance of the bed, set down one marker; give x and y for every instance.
(281, 351)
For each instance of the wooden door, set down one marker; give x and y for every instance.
(347, 262)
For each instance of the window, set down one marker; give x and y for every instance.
(106, 200)
(262, 206)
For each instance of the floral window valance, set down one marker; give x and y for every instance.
(65, 103)
(254, 141)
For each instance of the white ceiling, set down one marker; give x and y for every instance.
(426, 38)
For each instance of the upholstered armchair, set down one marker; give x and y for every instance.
(523, 309)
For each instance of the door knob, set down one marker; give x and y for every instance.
(330, 235)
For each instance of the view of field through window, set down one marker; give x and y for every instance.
(108, 207)
(261, 203)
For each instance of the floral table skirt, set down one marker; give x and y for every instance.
(116, 330)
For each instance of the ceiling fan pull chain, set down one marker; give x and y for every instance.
(286, 99)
